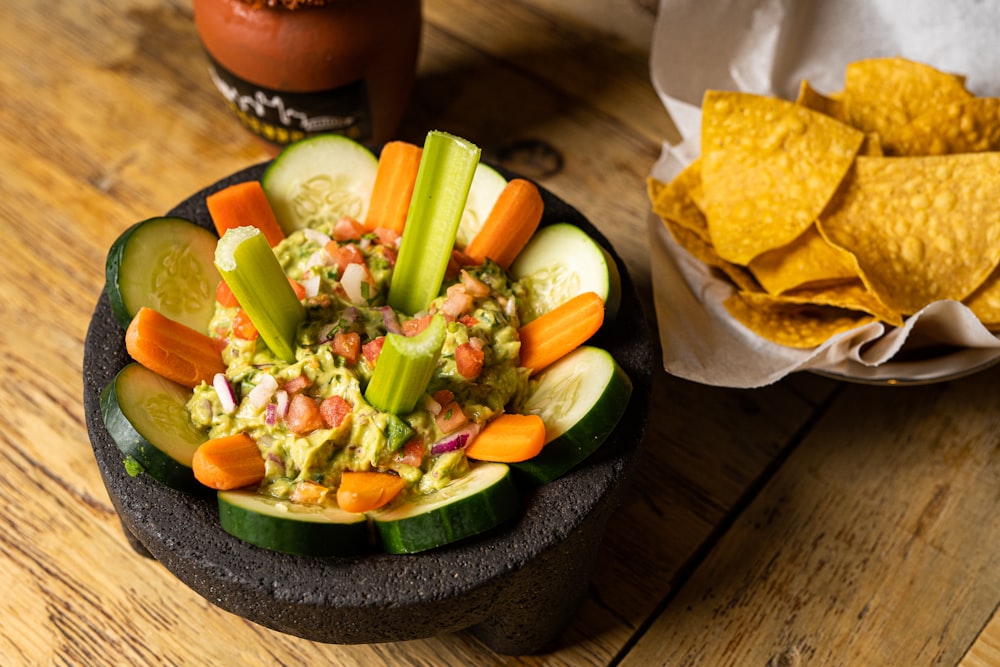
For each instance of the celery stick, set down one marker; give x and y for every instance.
(444, 177)
(249, 266)
(405, 367)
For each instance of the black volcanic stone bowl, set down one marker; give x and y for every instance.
(514, 588)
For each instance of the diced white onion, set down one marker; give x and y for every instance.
(311, 284)
(351, 280)
(225, 392)
(316, 235)
(261, 394)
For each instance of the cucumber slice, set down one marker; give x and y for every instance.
(167, 264)
(581, 399)
(320, 179)
(147, 417)
(487, 184)
(294, 528)
(561, 261)
(481, 499)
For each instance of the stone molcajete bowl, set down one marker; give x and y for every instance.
(515, 588)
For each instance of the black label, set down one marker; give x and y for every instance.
(281, 117)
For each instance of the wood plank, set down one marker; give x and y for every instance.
(985, 652)
(876, 543)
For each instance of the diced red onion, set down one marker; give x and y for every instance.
(261, 394)
(227, 398)
(318, 258)
(271, 414)
(454, 441)
(390, 320)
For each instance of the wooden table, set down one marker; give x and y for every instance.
(810, 522)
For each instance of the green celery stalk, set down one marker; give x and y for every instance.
(249, 266)
(444, 177)
(405, 367)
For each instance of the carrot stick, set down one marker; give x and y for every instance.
(174, 350)
(365, 491)
(512, 221)
(244, 205)
(393, 188)
(228, 462)
(561, 330)
(508, 438)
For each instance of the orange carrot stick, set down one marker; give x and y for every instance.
(174, 350)
(365, 491)
(512, 221)
(393, 188)
(508, 438)
(244, 205)
(228, 462)
(548, 337)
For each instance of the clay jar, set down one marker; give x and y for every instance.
(294, 68)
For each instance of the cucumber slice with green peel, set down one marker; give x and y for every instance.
(581, 398)
(561, 261)
(294, 528)
(165, 263)
(487, 184)
(147, 417)
(476, 502)
(320, 179)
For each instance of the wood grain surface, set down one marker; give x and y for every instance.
(809, 522)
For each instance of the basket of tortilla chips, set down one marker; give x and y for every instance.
(838, 210)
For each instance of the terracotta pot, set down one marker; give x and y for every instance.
(293, 68)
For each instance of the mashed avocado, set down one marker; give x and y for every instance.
(310, 418)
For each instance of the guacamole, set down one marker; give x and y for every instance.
(310, 418)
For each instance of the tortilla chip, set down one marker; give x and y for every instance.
(807, 260)
(922, 228)
(677, 200)
(985, 301)
(769, 167)
(847, 294)
(883, 95)
(703, 251)
(792, 324)
(968, 126)
(810, 98)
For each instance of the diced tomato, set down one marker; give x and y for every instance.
(243, 327)
(347, 345)
(416, 325)
(372, 349)
(390, 255)
(303, 415)
(224, 296)
(457, 302)
(451, 418)
(386, 236)
(443, 396)
(468, 320)
(297, 384)
(468, 360)
(412, 453)
(348, 229)
(300, 290)
(474, 286)
(343, 255)
(333, 410)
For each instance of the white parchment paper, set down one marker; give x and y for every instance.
(768, 47)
